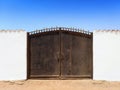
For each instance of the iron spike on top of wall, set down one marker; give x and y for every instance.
(72, 29)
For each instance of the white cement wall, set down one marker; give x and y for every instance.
(13, 55)
(106, 55)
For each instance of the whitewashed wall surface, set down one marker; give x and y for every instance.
(106, 55)
(13, 55)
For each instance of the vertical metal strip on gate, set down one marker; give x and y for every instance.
(60, 51)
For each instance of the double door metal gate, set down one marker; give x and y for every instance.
(61, 53)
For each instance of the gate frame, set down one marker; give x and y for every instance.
(59, 78)
(28, 56)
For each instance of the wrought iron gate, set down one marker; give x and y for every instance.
(60, 52)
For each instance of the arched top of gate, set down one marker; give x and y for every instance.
(55, 29)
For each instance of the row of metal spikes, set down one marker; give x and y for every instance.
(60, 28)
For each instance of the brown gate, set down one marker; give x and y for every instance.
(60, 52)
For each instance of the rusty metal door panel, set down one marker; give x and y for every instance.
(76, 55)
(44, 55)
(81, 62)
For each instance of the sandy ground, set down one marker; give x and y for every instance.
(59, 85)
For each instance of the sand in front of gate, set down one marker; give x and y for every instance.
(59, 85)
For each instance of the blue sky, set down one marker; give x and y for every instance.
(37, 14)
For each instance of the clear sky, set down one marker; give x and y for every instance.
(37, 14)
